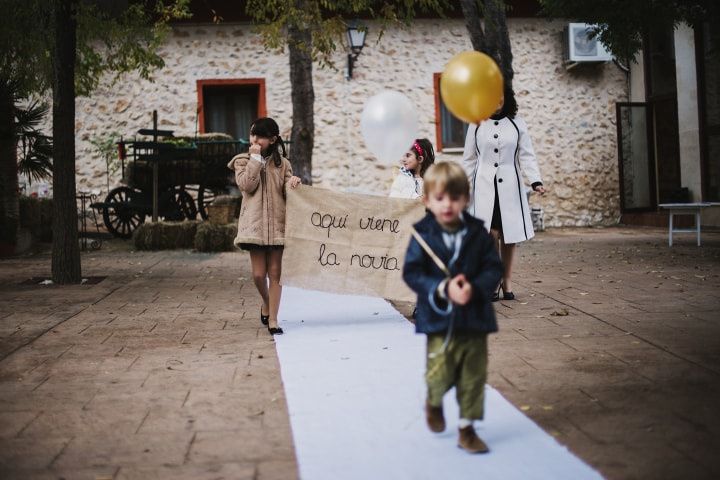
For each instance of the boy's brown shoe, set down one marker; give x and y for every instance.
(470, 442)
(435, 418)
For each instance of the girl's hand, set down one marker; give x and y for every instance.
(294, 181)
(459, 290)
(540, 189)
(255, 149)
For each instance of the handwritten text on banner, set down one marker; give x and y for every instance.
(348, 243)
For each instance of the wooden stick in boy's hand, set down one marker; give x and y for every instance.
(459, 290)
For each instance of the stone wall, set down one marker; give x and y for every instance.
(571, 115)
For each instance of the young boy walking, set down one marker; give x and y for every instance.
(452, 265)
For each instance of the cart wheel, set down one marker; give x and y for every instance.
(121, 217)
(205, 197)
(180, 205)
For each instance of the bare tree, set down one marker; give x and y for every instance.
(65, 251)
(67, 45)
(303, 96)
(491, 36)
(9, 207)
(311, 29)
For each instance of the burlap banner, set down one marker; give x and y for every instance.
(348, 243)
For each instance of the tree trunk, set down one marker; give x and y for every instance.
(471, 12)
(493, 39)
(496, 20)
(492, 30)
(303, 98)
(9, 207)
(65, 247)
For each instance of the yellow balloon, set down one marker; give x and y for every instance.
(471, 86)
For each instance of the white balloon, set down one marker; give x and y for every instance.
(389, 125)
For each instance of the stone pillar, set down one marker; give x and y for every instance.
(637, 78)
(688, 119)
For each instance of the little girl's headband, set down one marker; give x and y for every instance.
(418, 149)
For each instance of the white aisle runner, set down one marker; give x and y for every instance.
(353, 367)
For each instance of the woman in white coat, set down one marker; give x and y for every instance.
(497, 153)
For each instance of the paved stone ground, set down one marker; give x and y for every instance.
(162, 370)
(614, 348)
(159, 371)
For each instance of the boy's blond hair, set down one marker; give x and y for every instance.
(448, 177)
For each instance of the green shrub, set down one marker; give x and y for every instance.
(8, 231)
(36, 216)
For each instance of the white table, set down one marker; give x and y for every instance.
(685, 209)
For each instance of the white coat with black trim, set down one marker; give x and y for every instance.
(501, 148)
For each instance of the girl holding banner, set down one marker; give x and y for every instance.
(263, 176)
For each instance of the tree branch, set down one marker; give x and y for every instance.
(471, 12)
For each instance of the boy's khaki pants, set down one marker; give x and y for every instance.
(463, 366)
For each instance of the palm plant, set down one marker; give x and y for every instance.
(34, 148)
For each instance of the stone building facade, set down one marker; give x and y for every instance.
(571, 114)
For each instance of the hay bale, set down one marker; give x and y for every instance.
(224, 209)
(211, 237)
(228, 200)
(165, 235)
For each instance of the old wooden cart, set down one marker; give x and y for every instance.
(189, 176)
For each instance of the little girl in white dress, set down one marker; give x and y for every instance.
(409, 180)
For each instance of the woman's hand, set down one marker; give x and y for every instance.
(540, 189)
(294, 181)
(459, 290)
(255, 149)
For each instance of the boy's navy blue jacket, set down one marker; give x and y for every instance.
(478, 261)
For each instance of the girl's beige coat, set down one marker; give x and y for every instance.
(262, 215)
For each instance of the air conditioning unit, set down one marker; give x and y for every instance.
(579, 46)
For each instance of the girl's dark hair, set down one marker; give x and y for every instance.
(428, 154)
(266, 127)
(510, 107)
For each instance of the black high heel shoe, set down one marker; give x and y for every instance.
(264, 319)
(506, 295)
(275, 330)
